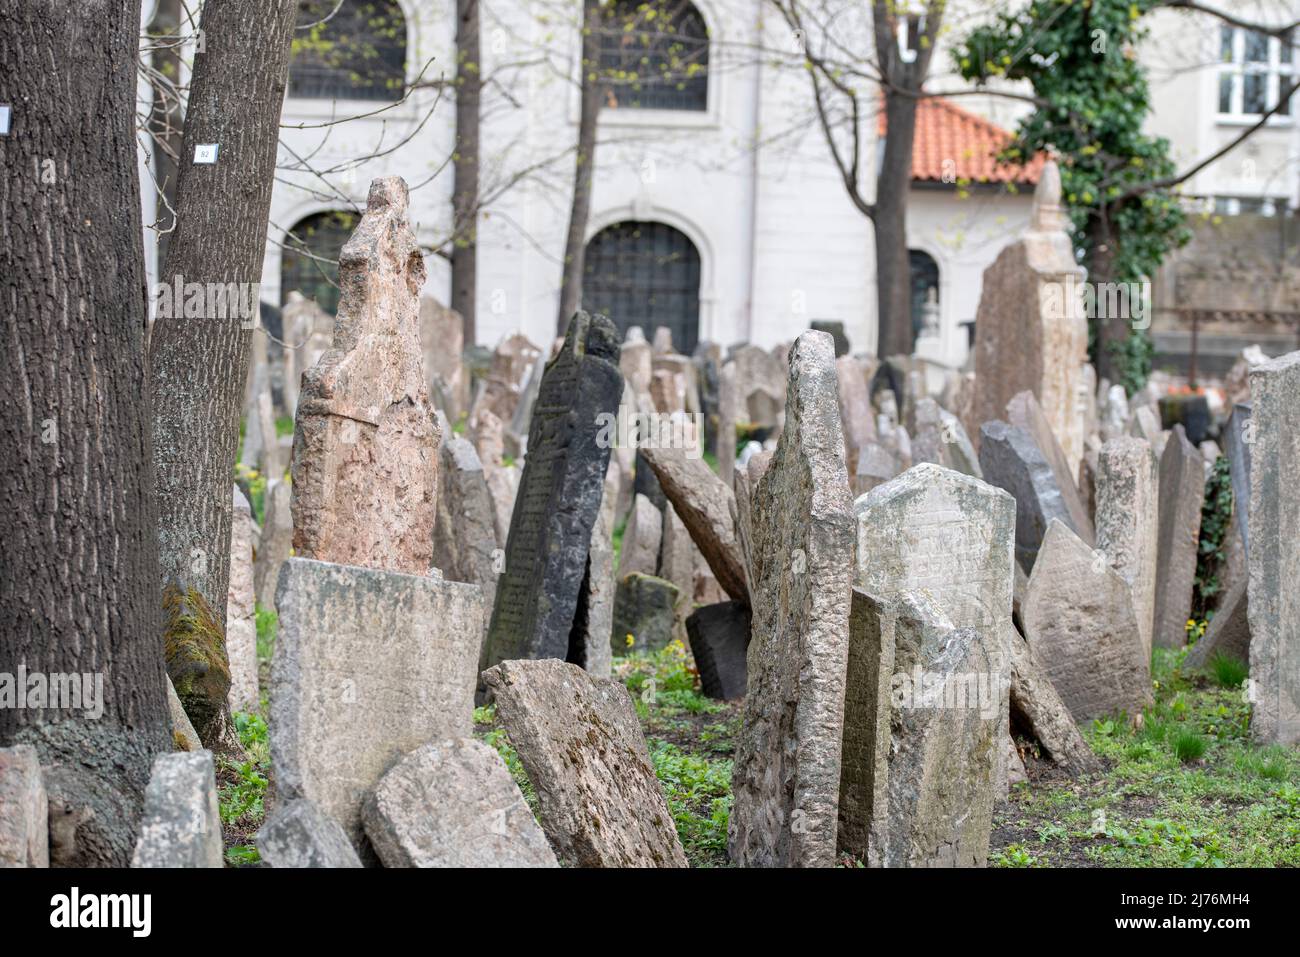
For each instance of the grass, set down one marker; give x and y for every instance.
(1185, 787)
(1228, 672)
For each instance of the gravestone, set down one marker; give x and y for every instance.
(634, 361)
(593, 620)
(728, 404)
(1031, 328)
(1024, 412)
(1012, 461)
(465, 541)
(642, 537)
(559, 497)
(581, 745)
(948, 538)
(1228, 634)
(922, 705)
(876, 466)
(645, 613)
(1037, 708)
(677, 564)
(1274, 560)
(275, 542)
(502, 480)
(1079, 622)
(452, 803)
(442, 340)
(1237, 449)
(368, 666)
(24, 809)
(241, 611)
(719, 637)
(1128, 521)
(856, 413)
(182, 824)
(1182, 493)
(517, 434)
(298, 834)
(503, 386)
(959, 452)
(703, 503)
(308, 331)
(365, 447)
(785, 780)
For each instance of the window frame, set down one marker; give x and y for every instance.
(405, 106)
(1276, 74)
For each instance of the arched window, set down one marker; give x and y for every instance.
(647, 275)
(654, 55)
(925, 287)
(309, 263)
(353, 50)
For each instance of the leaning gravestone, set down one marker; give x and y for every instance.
(1079, 622)
(719, 636)
(365, 448)
(24, 809)
(1037, 708)
(1228, 634)
(368, 666)
(559, 497)
(922, 706)
(1031, 328)
(642, 537)
(950, 538)
(241, 617)
(580, 742)
(1182, 493)
(298, 834)
(1024, 411)
(703, 503)
(1011, 460)
(1274, 560)
(182, 824)
(594, 617)
(785, 779)
(452, 803)
(1128, 521)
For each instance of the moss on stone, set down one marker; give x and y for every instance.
(195, 648)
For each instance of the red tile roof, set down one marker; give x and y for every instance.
(944, 131)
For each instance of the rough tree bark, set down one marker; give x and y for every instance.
(575, 245)
(902, 86)
(464, 255)
(78, 546)
(1110, 333)
(200, 364)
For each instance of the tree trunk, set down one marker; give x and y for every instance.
(464, 255)
(78, 546)
(575, 245)
(1109, 333)
(893, 273)
(200, 363)
(166, 118)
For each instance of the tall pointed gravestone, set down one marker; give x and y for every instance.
(1274, 562)
(547, 553)
(376, 653)
(1031, 331)
(786, 776)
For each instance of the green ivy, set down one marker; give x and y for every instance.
(1216, 514)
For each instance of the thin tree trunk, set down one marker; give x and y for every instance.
(580, 211)
(893, 273)
(1109, 332)
(166, 119)
(200, 364)
(78, 545)
(464, 256)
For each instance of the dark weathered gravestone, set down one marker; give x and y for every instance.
(299, 834)
(835, 329)
(1237, 448)
(1182, 493)
(1011, 460)
(719, 636)
(559, 497)
(1024, 411)
(645, 609)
